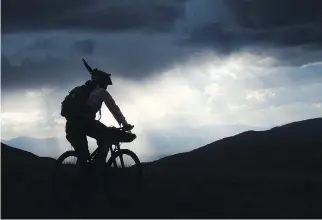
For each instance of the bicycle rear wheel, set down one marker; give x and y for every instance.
(67, 185)
(126, 175)
(66, 165)
(69, 157)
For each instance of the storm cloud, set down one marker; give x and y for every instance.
(233, 23)
(44, 41)
(48, 61)
(37, 74)
(98, 15)
(182, 68)
(85, 47)
(226, 23)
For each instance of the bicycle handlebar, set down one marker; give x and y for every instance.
(129, 128)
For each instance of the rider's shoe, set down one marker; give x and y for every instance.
(127, 127)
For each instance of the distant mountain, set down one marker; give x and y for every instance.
(46, 147)
(256, 174)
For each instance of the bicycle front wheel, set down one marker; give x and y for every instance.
(126, 172)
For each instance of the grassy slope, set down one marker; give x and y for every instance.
(256, 174)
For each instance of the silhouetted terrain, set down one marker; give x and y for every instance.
(44, 146)
(256, 174)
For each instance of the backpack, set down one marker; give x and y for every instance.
(75, 103)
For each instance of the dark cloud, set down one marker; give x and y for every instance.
(133, 60)
(221, 38)
(297, 55)
(19, 15)
(249, 22)
(43, 44)
(50, 72)
(137, 60)
(85, 47)
(269, 14)
(35, 15)
(220, 25)
(225, 25)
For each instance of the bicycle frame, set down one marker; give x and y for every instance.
(113, 151)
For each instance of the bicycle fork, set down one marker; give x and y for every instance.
(117, 148)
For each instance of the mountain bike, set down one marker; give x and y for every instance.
(119, 175)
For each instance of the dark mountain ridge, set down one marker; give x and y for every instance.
(288, 141)
(255, 174)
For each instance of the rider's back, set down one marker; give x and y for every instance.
(75, 105)
(84, 101)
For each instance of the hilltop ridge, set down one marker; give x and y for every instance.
(255, 174)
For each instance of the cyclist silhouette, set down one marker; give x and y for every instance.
(80, 108)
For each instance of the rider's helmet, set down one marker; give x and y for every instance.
(102, 78)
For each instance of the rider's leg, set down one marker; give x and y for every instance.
(105, 146)
(79, 143)
(77, 138)
(103, 136)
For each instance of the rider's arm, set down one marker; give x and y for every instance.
(114, 109)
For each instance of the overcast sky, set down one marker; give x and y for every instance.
(185, 72)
